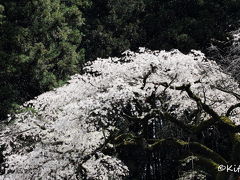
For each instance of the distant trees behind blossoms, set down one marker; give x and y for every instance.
(43, 42)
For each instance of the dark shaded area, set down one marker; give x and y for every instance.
(160, 146)
(114, 26)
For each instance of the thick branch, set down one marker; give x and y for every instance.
(194, 147)
(215, 117)
(205, 107)
(232, 108)
(224, 122)
(228, 125)
(229, 92)
(187, 89)
(189, 128)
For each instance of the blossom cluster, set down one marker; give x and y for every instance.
(57, 130)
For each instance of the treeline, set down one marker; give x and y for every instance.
(43, 42)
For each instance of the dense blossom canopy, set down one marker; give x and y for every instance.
(61, 132)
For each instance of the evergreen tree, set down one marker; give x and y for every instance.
(112, 27)
(39, 47)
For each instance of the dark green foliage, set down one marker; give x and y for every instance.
(112, 27)
(188, 24)
(39, 47)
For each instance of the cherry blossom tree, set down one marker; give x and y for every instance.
(141, 101)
